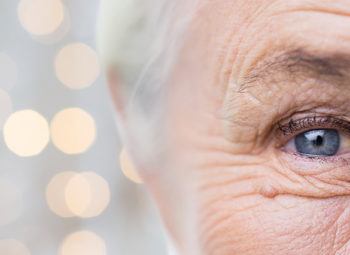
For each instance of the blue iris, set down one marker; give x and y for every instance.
(318, 142)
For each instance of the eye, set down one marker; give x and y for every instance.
(317, 136)
(317, 142)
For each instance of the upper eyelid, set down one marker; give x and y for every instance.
(293, 127)
(299, 125)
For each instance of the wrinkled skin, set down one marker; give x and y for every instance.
(230, 184)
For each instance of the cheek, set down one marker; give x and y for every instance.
(253, 224)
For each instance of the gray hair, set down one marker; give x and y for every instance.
(140, 40)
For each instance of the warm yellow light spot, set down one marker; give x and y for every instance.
(41, 17)
(5, 107)
(87, 195)
(77, 66)
(83, 195)
(55, 195)
(128, 168)
(83, 243)
(78, 194)
(59, 33)
(73, 131)
(13, 247)
(10, 203)
(9, 72)
(26, 133)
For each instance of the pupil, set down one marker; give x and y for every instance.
(318, 142)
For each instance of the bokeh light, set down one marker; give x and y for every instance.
(13, 247)
(26, 133)
(55, 195)
(87, 195)
(60, 32)
(73, 130)
(5, 107)
(10, 202)
(77, 66)
(51, 89)
(41, 17)
(83, 243)
(9, 71)
(83, 195)
(128, 168)
(78, 194)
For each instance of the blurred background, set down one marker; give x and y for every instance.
(61, 187)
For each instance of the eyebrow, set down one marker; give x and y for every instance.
(299, 64)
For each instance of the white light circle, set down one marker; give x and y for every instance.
(78, 194)
(83, 243)
(87, 195)
(55, 194)
(72, 194)
(77, 66)
(26, 133)
(73, 130)
(41, 17)
(128, 168)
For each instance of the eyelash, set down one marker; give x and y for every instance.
(293, 127)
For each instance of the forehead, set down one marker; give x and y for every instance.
(232, 36)
(228, 40)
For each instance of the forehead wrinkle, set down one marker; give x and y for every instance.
(284, 83)
(297, 65)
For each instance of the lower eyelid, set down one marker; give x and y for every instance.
(311, 165)
(312, 177)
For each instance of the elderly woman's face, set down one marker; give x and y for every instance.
(259, 126)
